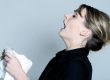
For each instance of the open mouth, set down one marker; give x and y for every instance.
(64, 25)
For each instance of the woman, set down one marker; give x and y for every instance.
(85, 29)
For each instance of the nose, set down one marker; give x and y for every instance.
(67, 16)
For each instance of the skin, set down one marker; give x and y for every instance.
(14, 68)
(74, 34)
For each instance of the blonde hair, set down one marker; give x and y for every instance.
(99, 23)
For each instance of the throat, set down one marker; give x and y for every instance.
(70, 46)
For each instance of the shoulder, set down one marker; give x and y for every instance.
(73, 70)
(75, 64)
(79, 65)
(82, 61)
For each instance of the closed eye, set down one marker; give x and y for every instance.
(74, 16)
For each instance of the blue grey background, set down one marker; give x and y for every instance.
(31, 28)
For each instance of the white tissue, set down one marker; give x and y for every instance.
(2, 71)
(24, 61)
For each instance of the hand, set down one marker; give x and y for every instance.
(13, 67)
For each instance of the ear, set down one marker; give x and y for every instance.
(85, 33)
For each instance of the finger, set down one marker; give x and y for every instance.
(5, 63)
(7, 68)
(7, 59)
(10, 55)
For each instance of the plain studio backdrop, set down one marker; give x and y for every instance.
(31, 28)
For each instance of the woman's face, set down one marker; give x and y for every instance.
(73, 25)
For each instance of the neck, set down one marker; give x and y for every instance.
(71, 45)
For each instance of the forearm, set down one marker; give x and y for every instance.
(22, 76)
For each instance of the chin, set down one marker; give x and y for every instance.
(62, 34)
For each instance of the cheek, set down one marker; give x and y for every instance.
(68, 32)
(71, 31)
(74, 28)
